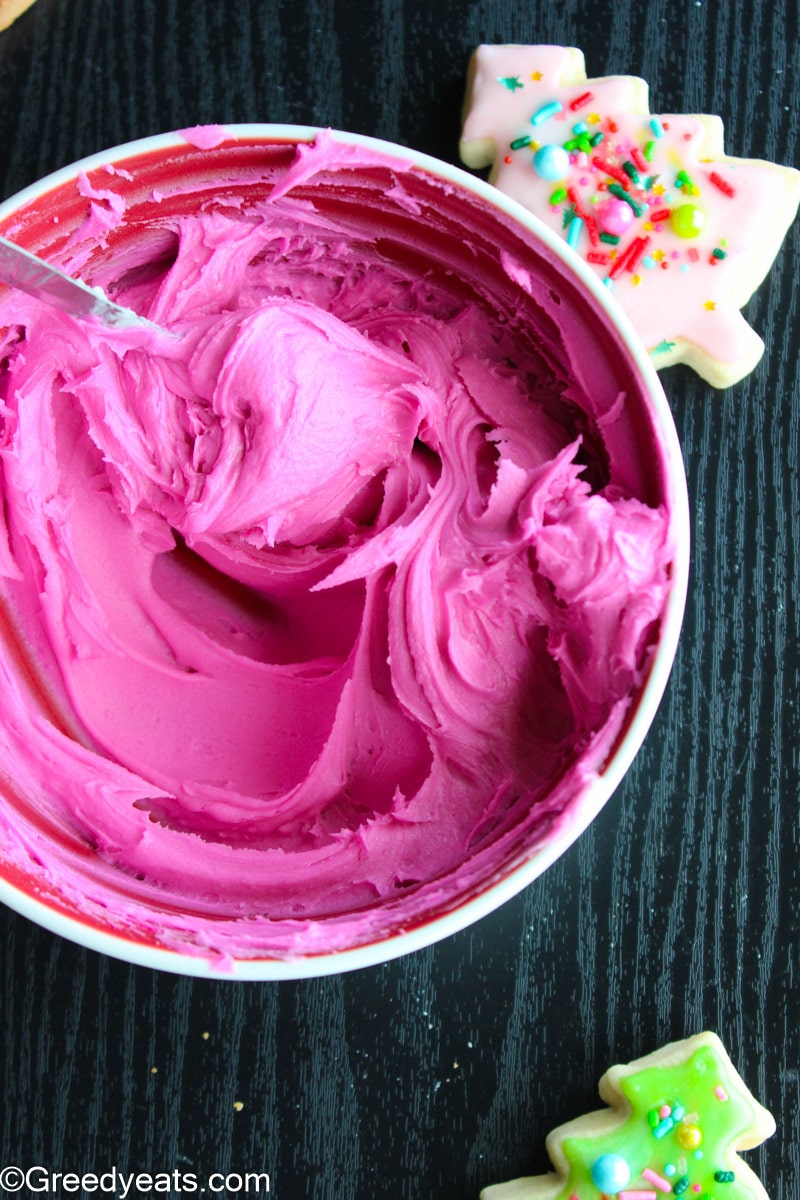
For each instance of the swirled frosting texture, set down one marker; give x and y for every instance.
(319, 612)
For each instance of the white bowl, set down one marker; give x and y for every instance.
(132, 927)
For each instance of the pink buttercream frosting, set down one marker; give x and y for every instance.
(326, 604)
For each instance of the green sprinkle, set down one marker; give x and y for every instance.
(611, 239)
(719, 253)
(649, 151)
(596, 138)
(572, 144)
(652, 1117)
(621, 194)
(520, 143)
(680, 1185)
(724, 1176)
(630, 170)
(512, 82)
(558, 195)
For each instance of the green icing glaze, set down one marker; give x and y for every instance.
(686, 1153)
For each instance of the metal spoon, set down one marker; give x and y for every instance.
(33, 275)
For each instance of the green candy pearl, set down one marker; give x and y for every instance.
(687, 220)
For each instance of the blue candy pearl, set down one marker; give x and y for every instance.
(551, 162)
(610, 1174)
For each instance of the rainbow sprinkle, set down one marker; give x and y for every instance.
(620, 170)
(546, 112)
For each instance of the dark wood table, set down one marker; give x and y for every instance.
(679, 909)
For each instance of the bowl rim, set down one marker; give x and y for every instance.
(588, 803)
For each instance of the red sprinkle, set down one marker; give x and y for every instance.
(575, 201)
(615, 172)
(694, 254)
(508, 159)
(637, 251)
(631, 257)
(722, 184)
(662, 214)
(587, 218)
(639, 159)
(621, 262)
(579, 101)
(594, 256)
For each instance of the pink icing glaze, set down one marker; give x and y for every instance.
(317, 616)
(679, 288)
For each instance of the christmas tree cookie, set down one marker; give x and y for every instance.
(674, 1126)
(681, 233)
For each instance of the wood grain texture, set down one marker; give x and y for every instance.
(680, 907)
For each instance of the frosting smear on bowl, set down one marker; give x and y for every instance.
(321, 611)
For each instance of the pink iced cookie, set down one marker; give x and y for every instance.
(679, 231)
